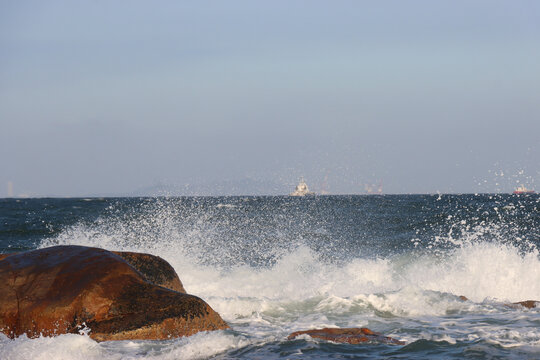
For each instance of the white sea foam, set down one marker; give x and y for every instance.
(425, 286)
(226, 206)
(76, 347)
(199, 346)
(68, 346)
(479, 270)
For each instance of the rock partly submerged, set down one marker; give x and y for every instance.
(347, 335)
(528, 304)
(119, 296)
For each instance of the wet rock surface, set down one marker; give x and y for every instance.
(529, 304)
(154, 269)
(347, 335)
(3, 256)
(59, 289)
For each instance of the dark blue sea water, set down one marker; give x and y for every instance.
(273, 265)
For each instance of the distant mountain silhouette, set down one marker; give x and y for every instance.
(237, 187)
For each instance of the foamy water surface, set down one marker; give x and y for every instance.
(271, 266)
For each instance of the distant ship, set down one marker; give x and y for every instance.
(370, 189)
(523, 190)
(301, 189)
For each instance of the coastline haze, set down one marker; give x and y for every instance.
(105, 98)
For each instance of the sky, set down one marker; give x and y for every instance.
(108, 97)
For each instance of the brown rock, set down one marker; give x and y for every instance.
(55, 290)
(347, 335)
(3, 256)
(154, 269)
(529, 304)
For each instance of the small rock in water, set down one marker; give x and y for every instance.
(529, 304)
(347, 335)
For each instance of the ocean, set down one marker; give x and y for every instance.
(396, 264)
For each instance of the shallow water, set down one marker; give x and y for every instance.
(274, 265)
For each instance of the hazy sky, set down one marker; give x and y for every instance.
(105, 97)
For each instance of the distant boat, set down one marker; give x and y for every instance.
(523, 190)
(301, 189)
(372, 189)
